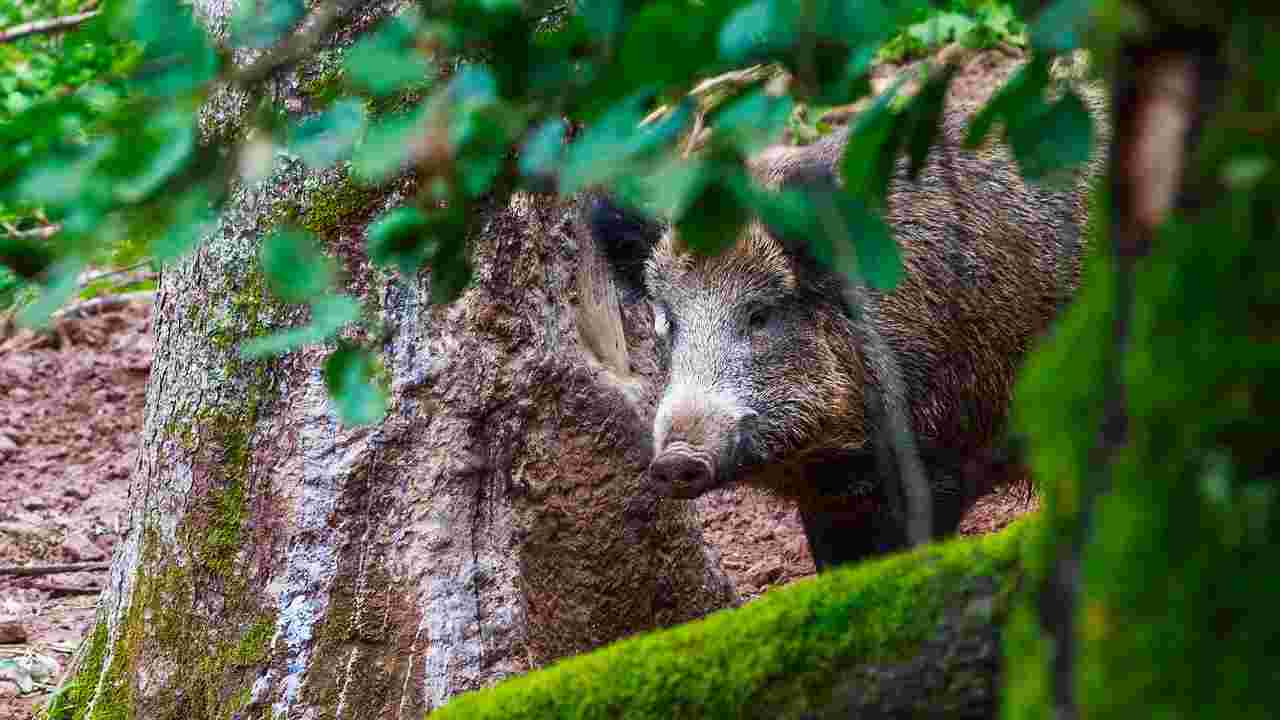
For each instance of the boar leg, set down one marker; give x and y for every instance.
(838, 536)
(844, 531)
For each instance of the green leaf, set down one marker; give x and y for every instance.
(328, 315)
(450, 274)
(474, 85)
(139, 166)
(850, 224)
(1021, 95)
(615, 143)
(872, 150)
(941, 29)
(839, 230)
(295, 268)
(194, 217)
(602, 18)
(179, 57)
(27, 257)
(388, 60)
(925, 113)
(878, 257)
(330, 137)
(714, 219)
(541, 153)
(753, 122)
(349, 376)
(61, 285)
(1055, 141)
(679, 33)
(480, 139)
(386, 146)
(402, 239)
(760, 29)
(260, 23)
(1058, 28)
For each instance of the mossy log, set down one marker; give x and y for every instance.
(914, 635)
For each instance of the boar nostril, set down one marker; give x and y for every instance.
(680, 471)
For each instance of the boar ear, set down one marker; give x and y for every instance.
(625, 236)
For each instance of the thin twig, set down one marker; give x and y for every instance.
(44, 233)
(34, 570)
(43, 27)
(107, 303)
(113, 273)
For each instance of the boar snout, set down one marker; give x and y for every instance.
(682, 472)
(700, 440)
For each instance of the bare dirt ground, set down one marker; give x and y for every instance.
(70, 412)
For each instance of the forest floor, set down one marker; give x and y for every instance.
(70, 418)
(71, 410)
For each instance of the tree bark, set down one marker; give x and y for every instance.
(279, 564)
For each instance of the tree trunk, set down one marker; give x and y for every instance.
(278, 564)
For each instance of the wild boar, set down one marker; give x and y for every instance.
(771, 378)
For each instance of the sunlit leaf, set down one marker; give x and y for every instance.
(350, 377)
(329, 137)
(1246, 171)
(474, 85)
(328, 315)
(295, 268)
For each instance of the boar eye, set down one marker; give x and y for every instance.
(661, 321)
(759, 318)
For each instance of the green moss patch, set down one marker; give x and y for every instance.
(780, 656)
